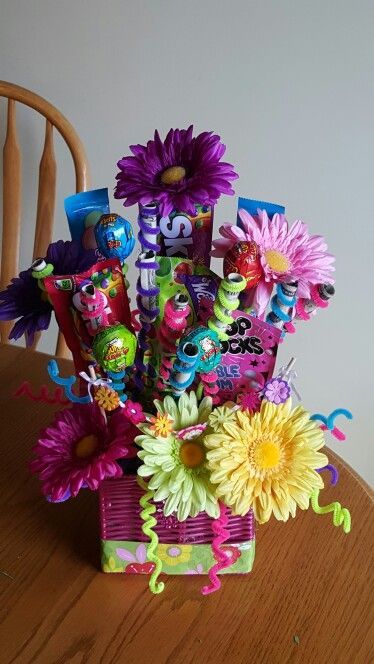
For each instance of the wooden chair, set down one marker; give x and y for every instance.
(46, 189)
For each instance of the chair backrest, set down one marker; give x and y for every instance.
(46, 188)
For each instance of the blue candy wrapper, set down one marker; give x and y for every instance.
(83, 211)
(251, 206)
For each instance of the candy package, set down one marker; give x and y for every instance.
(186, 236)
(86, 302)
(83, 211)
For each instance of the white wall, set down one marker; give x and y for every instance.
(287, 84)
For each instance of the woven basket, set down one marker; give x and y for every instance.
(185, 548)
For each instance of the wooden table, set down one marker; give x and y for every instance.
(309, 598)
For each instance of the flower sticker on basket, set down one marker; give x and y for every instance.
(180, 172)
(277, 390)
(138, 563)
(79, 449)
(286, 254)
(176, 466)
(174, 554)
(110, 565)
(267, 461)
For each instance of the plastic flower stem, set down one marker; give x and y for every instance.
(148, 524)
(341, 515)
(221, 535)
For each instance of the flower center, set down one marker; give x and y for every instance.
(267, 455)
(86, 446)
(173, 175)
(277, 261)
(191, 455)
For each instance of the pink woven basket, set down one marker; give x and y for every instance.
(120, 521)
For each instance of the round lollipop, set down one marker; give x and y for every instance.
(244, 258)
(114, 236)
(114, 348)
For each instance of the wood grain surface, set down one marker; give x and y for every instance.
(308, 599)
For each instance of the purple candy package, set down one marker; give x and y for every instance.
(186, 236)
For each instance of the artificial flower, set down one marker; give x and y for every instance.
(80, 448)
(162, 425)
(222, 417)
(277, 390)
(25, 301)
(176, 466)
(249, 400)
(174, 554)
(267, 461)
(106, 398)
(180, 414)
(179, 173)
(286, 254)
(133, 411)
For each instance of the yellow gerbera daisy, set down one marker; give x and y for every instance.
(266, 461)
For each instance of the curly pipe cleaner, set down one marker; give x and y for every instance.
(328, 423)
(184, 367)
(341, 515)
(148, 224)
(319, 299)
(148, 524)
(171, 329)
(44, 395)
(210, 385)
(227, 302)
(282, 305)
(118, 383)
(223, 558)
(334, 473)
(147, 305)
(66, 383)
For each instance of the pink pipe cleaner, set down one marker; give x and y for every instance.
(171, 329)
(44, 395)
(223, 558)
(210, 385)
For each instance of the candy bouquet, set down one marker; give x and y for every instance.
(178, 417)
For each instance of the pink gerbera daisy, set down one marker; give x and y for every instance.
(80, 448)
(286, 254)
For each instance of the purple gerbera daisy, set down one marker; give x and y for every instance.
(179, 173)
(25, 301)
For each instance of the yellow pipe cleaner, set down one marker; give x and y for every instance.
(341, 515)
(149, 522)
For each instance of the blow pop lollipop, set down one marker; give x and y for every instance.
(114, 236)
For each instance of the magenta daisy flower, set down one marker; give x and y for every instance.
(179, 173)
(133, 411)
(249, 401)
(80, 449)
(286, 254)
